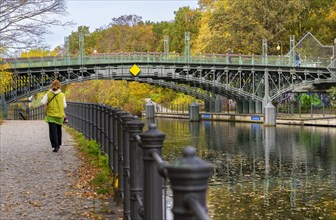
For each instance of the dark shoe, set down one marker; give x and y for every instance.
(56, 149)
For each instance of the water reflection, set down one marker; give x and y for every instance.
(262, 172)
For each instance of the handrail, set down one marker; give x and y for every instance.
(148, 57)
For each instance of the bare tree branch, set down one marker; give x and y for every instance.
(23, 23)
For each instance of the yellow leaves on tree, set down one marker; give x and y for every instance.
(128, 96)
(83, 92)
(5, 78)
(39, 53)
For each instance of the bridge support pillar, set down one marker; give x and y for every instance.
(4, 108)
(239, 106)
(266, 98)
(258, 107)
(207, 106)
(212, 106)
(245, 107)
(218, 104)
(251, 106)
(269, 115)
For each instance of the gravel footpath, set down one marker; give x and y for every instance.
(36, 183)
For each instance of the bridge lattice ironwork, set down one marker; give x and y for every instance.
(238, 77)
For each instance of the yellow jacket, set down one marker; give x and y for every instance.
(56, 105)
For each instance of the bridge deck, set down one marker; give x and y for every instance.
(37, 183)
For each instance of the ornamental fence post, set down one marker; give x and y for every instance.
(115, 142)
(189, 181)
(120, 154)
(152, 141)
(126, 167)
(135, 127)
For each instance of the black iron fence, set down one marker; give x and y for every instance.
(135, 159)
(290, 109)
(27, 113)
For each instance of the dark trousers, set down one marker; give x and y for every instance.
(55, 134)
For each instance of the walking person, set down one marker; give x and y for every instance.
(54, 101)
(230, 54)
(297, 59)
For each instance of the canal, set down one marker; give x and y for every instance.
(282, 172)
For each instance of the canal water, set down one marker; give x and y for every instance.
(282, 172)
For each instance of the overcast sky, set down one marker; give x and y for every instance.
(98, 13)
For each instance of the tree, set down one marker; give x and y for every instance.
(38, 52)
(23, 23)
(5, 78)
(126, 34)
(308, 100)
(74, 40)
(332, 95)
(126, 20)
(242, 24)
(160, 29)
(186, 20)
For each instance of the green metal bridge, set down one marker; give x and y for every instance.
(251, 80)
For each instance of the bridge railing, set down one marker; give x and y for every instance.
(135, 159)
(232, 59)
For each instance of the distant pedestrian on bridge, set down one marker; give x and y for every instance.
(55, 102)
(297, 59)
(230, 54)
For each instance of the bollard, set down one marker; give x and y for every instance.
(126, 165)
(136, 167)
(194, 112)
(150, 113)
(189, 182)
(151, 141)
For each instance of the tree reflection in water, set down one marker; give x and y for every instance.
(282, 172)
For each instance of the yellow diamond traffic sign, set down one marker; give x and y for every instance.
(135, 70)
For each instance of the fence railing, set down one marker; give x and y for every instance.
(238, 59)
(27, 113)
(135, 158)
(290, 109)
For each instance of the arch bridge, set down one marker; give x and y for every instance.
(251, 80)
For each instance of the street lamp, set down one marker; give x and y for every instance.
(279, 46)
